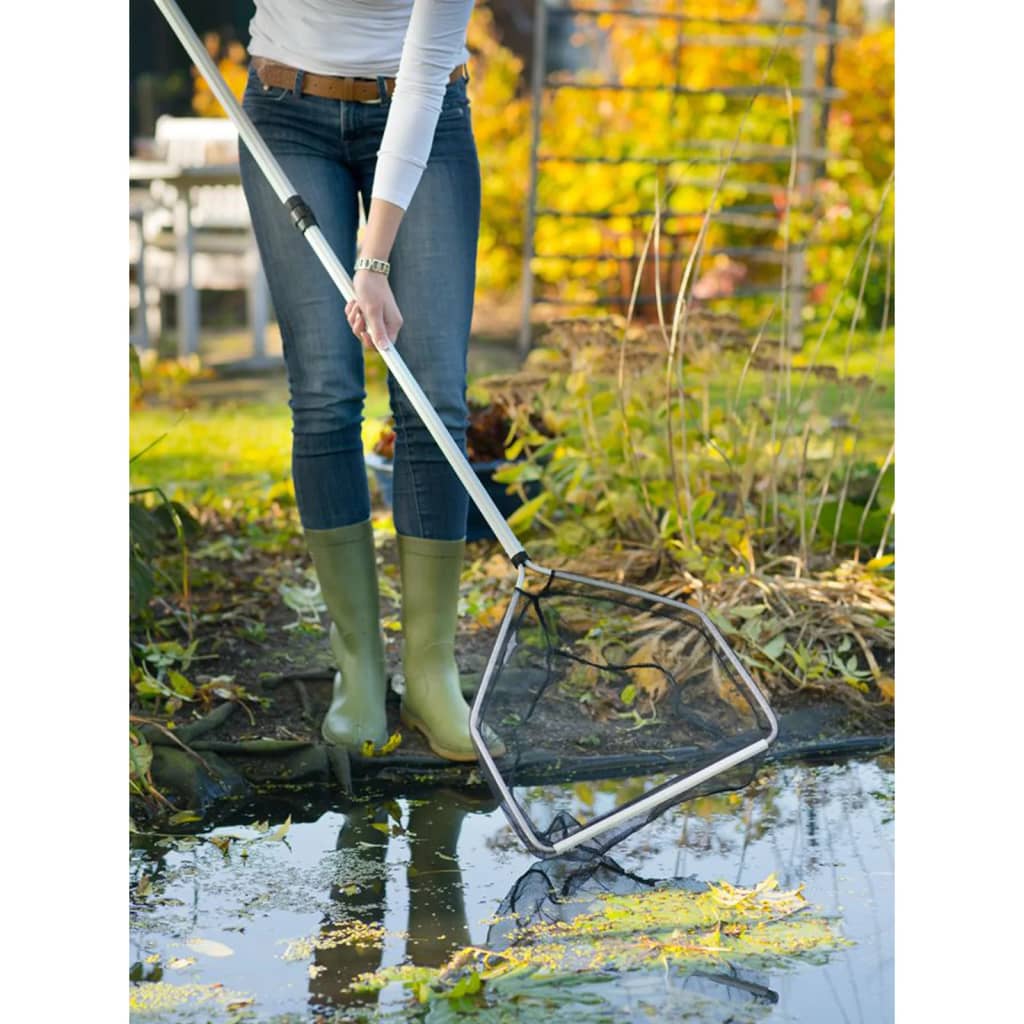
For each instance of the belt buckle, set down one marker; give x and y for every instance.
(375, 99)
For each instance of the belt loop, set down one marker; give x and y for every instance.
(382, 89)
(299, 75)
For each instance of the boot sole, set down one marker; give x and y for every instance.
(414, 723)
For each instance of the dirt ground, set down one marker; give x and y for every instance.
(266, 675)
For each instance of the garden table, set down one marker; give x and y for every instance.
(182, 179)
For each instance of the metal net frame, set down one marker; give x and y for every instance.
(561, 632)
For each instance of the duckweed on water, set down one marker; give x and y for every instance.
(665, 928)
(154, 998)
(344, 933)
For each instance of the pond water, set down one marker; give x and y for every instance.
(258, 914)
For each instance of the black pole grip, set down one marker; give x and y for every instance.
(301, 214)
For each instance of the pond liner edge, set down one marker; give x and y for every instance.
(286, 767)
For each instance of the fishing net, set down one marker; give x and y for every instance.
(613, 704)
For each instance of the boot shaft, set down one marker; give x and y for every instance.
(346, 567)
(431, 571)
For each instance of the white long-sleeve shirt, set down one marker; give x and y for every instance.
(417, 42)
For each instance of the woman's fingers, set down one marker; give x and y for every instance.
(375, 323)
(373, 314)
(357, 322)
(366, 332)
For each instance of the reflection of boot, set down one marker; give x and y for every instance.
(433, 701)
(336, 966)
(347, 571)
(437, 908)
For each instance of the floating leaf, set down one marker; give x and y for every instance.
(281, 831)
(209, 947)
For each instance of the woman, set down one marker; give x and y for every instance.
(364, 101)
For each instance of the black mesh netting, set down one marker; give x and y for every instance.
(558, 890)
(605, 696)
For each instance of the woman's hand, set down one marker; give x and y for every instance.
(373, 315)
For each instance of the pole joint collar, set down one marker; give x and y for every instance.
(301, 214)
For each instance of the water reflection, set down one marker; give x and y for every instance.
(437, 925)
(554, 890)
(457, 864)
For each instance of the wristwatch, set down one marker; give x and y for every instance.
(378, 266)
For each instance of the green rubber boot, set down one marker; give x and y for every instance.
(433, 701)
(347, 571)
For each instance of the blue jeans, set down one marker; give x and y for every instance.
(327, 149)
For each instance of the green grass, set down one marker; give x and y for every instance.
(235, 441)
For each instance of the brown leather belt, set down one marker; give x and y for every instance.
(331, 87)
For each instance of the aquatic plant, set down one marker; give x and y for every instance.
(662, 929)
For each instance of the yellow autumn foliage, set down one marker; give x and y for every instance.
(691, 134)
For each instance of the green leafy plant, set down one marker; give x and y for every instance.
(151, 525)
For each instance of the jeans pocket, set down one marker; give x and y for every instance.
(256, 90)
(268, 93)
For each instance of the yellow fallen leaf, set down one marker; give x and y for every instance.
(281, 831)
(651, 680)
(746, 551)
(888, 687)
(394, 741)
(490, 616)
(369, 750)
